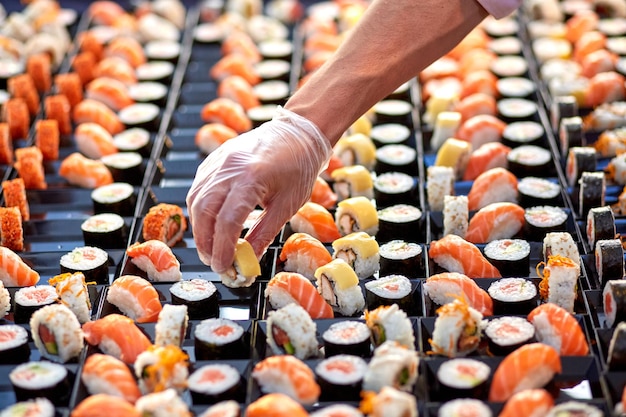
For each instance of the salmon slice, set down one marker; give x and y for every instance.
(492, 186)
(323, 195)
(304, 253)
(495, 221)
(530, 402)
(488, 156)
(445, 287)
(119, 331)
(90, 110)
(317, 221)
(84, 172)
(556, 327)
(303, 292)
(156, 258)
(135, 297)
(458, 255)
(296, 372)
(236, 88)
(104, 371)
(104, 405)
(14, 272)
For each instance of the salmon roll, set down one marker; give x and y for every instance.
(292, 331)
(11, 232)
(56, 333)
(85, 64)
(71, 86)
(29, 166)
(39, 67)
(22, 86)
(14, 192)
(15, 113)
(47, 138)
(57, 107)
(165, 222)
(6, 145)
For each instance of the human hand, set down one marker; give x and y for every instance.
(273, 166)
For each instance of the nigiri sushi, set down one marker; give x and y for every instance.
(14, 272)
(495, 221)
(211, 135)
(285, 288)
(116, 335)
(322, 194)
(236, 88)
(492, 186)
(104, 405)
(556, 327)
(481, 129)
(288, 375)
(84, 172)
(443, 288)
(109, 91)
(227, 112)
(304, 253)
(245, 268)
(531, 402)
(156, 259)
(105, 374)
(275, 405)
(315, 220)
(90, 110)
(531, 366)
(135, 297)
(488, 156)
(94, 141)
(458, 255)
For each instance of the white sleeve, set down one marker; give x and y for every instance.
(500, 8)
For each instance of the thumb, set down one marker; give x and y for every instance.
(267, 226)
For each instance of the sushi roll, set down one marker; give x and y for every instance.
(227, 408)
(574, 408)
(52, 382)
(510, 256)
(571, 134)
(213, 383)
(287, 375)
(105, 230)
(356, 214)
(446, 125)
(559, 282)
(530, 160)
(360, 251)
(5, 300)
(291, 331)
(218, 338)
(159, 368)
(118, 197)
(148, 92)
(458, 406)
(14, 193)
(600, 225)
(339, 285)
(392, 188)
(30, 299)
(616, 357)
(401, 257)
(341, 377)
(352, 181)
(156, 259)
(72, 290)
(40, 407)
(160, 71)
(510, 66)
(272, 92)
(273, 70)
(592, 192)
(389, 402)
(579, 159)
(245, 268)
(135, 297)
(513, 87)
(535, 191)
(463, 378)
(303, 253)
(614, 301)
(388, 290)
(540, 220)
(342, 410)
(609, 259)
(455, 215)
(133, 140)
(439, 183)
(141, 115)
(444, 288)
(616, 170)
(560, 243)
(513, 296)
(125, 167)
(56, 333)
(162, 50)
(458, 329)
(393, 111)
(162, 404)
(356, 149)
(562, 107)
(556, 327)
(199, 295)
(396, 158)
(347, 337)
(171, 326)
(393, 365)
(399, 221)
(105, 374)
(11, 229)
(14, 348)
(164, 222)
(390, 133)
(507, 333)
(390, 323)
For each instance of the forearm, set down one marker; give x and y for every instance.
(393, 42)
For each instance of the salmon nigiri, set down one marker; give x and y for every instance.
(317, 221)
(556, 327)
(94, 141)
(228, 112)
(297, 379)
(322, 194)
(275, 405)
(14, 272)
(530, 402)
(105, 374)
(445, 287)
(492, 186)
(458, 255)
(304, 253)
(117, 335)
(286, 287)
(84, 172)
(156, 259)
(135, 297)
(495, 221)
(90, 110)
(236, 88)
(104, 405)
(531, 366)
(488, 156)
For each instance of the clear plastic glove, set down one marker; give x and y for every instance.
(273, 166)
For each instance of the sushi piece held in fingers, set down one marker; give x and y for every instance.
(136, 298)
(105, 374)
(72, 291)
(389, 402)
(495, 221)
(458, 329)
(530, 366)
(291, 331)
(165, 222)
(559, 281)
(614, 301)
(488, 156)
(315, 220)
(360, 251)
(356, 214)
(456, 254)
(323, 195)
(492, 186)
(303, 253)
(159, 368)
(275, 404)
(558, 328)
(445, 287)
(392, 365)
(56, 333)
(529, 402)
(339, 285)
(84, 172)
(156, 259)
(171, 326)
(288, 287)
(288, 375)
(390, 323)
(14, 272)
(211, 135)
(116, 335)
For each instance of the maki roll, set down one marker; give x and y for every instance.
(614, 301)
(14, 347)
(393, 111)
(393, 188)
(390, 323)
(160, 368)
(440, 183)
(540, 220)
(352, 181)
(339, 285)
(574, 408)
(356, 214)
(560, 243)
(272, 92)
(228, 408)
(401, 221)
(155, 71)
(396, 158)
(529, 160)
(513, 296)
(125, 167)
(164, 222)
(347, 337)
(273, 69)
(609, 257)
(56, 333)
(463, 378)
(455, 215)
(171, 326)
(403, 258)
(512, 110)
(342, 410)
(360, 251)
(218, 338)
(41, 379)
(38, 407)
(30, 299)
(459, 406)
(105, 230)
(388, 290)
(571, 134)
(446, 125)
(514, 87)
(393, 365)
(579, 159)
(510, 256)
(616, 358)
(507, 333)
(291, 331)
(72, 291)
(559, 282)
(341, 377)
(199, 295)
(390, 133)
(535, 191)
(5, 300)
(91, 261)
(356, 149)
(148, 92)
(142, 115)
(457, 331)
(562, 107)
(118, 197)
(133, 140)
(600, 225)
(213, 383)
(592, 192)
(165, 50)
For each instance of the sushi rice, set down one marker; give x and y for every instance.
(64, 340)
(291, 330)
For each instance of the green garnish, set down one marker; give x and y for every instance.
(289, 349)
